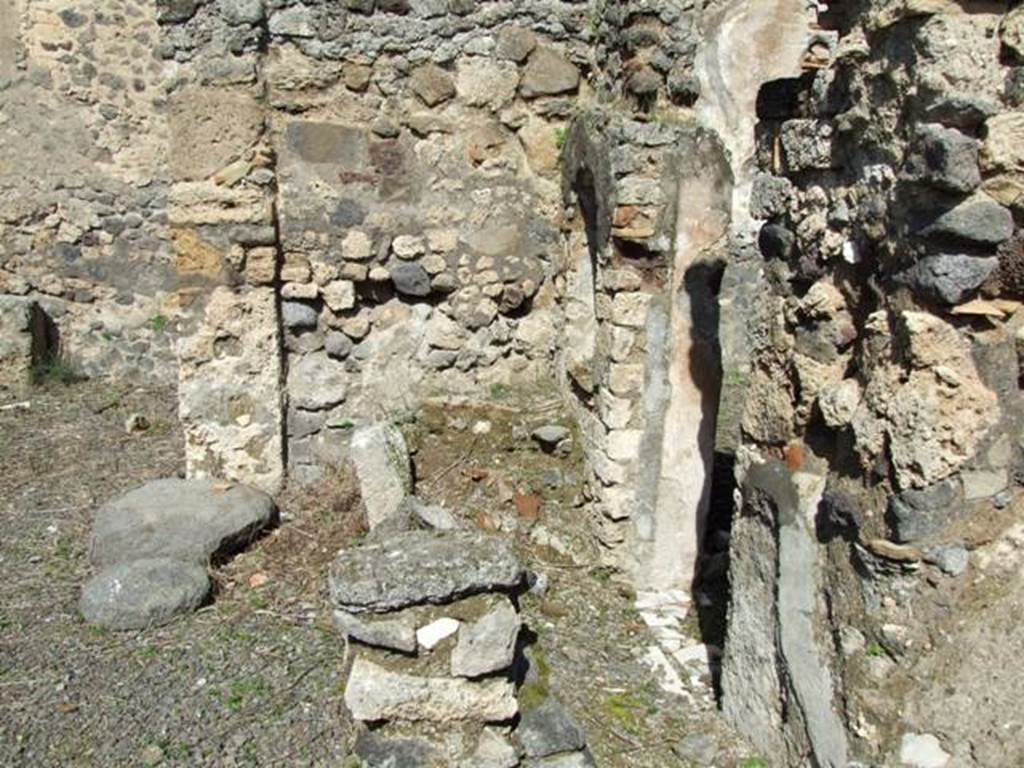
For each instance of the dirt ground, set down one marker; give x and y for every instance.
(256, 678)
(253, 679)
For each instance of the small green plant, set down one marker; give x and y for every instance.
(499, 391)
(753, 762)
(626, 709)
(158, 323)
(536, 692)
(561, 136)
(875, 650)
(55, 370)
(242, 690)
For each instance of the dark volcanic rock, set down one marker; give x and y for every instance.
(949, 278)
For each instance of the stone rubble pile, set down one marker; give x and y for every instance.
(438, 652)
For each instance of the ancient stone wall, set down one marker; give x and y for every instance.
(885, 367)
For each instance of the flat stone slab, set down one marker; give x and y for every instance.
(375, 693)
(398, 634)
(488, 644)
(187, 520)
(381, 461)
(416, 567)
(143, 593)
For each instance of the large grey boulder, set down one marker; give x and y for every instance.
(375, 693)
(186, 520)
(415, 567)
(488, 644)
(381, 461)
(143, 593)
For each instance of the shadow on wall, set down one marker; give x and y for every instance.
(710, 588)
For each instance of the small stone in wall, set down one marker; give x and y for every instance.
(373, 749)
(316, 382)
(630, 309)
(408, 246)
(410, 279)
(978, 219)
(432, 84)
(807, 145)
(260, 265)
(337, 345)
(297, 314)
(951, 559)
(625, 379)
(550, 435)
(484, 82)
(339, 295)
(356, 76)
(1003, 149)
(442, 240)
(300, 291)
(548, 73)
(946, 158)
(770, 196)
(515, 43)
(949, 278)
(493, 750)
(356, 327)
(356, 246)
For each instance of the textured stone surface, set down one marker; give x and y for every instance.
(376, 751)
(950, 278)
(947, 158)
(381, 461)
(549, 729)
(398, 634)
(488, 644)
(979, 219)
(187, 520)
(374, 693)
(19, 341)
(143, 593)
(927, 402)
(229, 388)
(548, 73)
(421, 567)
